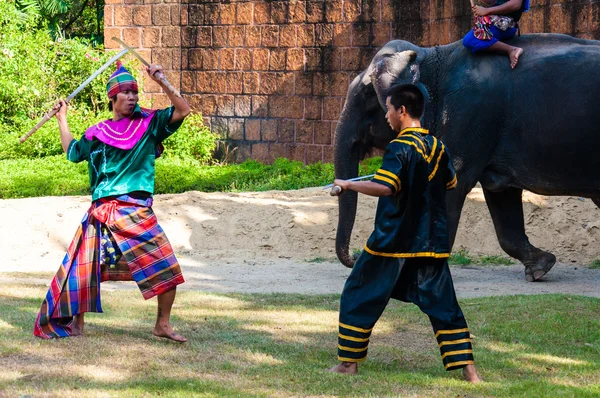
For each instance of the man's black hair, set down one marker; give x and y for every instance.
(410, 96)
(110, 102)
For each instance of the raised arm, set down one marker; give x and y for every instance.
(65, 134)
(182, 109)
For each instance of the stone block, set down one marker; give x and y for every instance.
(323, 35)
(243, 105)
(188, 36)
(244, 13)
(333, 11)
(278, 106)
(332, 107)
(225, 105)
(109, 16)
(227, 13)
(342, 35)
(312, 108)
(298, 152)
(277, 151)
(220, 34)
(132, 36)
(260, 152)
(253, 36)
(209, 105)
(262, 13)
(227, 59)
(361, 33)
(279, 12)
(196, 14)
(236, 36)
(352, 11)
(322, 133)
(142, 15)
(188, 82)
(287, 36)
(332, 59)
(236, 128)
(267, 83)
(339, 83)
(260, 59)
(304, 131)
(382, 33)
(313, 59)
(219, 82)
(314, 154)
(297, 11)
(235, 82)
(268, 129)
(171, 36)
(315, 11)
(252, 129)
(250, 83)
(260, 106)
(150, 37)
(195, 59)
(204, 36)
(122, 16)
(211, 14)
(277, 60)
(243, 59)
(295, 107)
(161, 15)
(306, 35)
(203, 80)
(286, 131)
(295, 59)
(210, 59)
(269, 35)
(303, 83)
(285, 83)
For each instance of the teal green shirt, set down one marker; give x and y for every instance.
(115, 171)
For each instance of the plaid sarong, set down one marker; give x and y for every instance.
(142, 253)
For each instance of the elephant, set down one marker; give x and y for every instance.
(533, 128)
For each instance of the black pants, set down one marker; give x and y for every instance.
(423, 281)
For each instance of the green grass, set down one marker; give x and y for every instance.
(55, 176)
(595, 264)
(319, 260)
(279, 345)
(463, 257)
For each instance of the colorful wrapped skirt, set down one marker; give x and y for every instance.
(119, 239)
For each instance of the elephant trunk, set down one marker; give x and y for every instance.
(348, 153)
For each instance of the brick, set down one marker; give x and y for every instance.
(196, 14)
(188, 36)
(312, 108)
(321, 84)
(306, 35)
(227, 59)
(268, 129)
(286, 131)
(285, 83)
(339, 83)
(243, 152)
(236, 129)
(204, 36)
(220, 34)
(360, 34)
(277, 151)
(142, 15)
(209, 105)
(188, 82)
(195, 59)
(244, 13)
(253, 36)
(236, 36)
(332, 108)
(194, 101)
(219, 82)
(351, 11)
(381, 34)
(160, 101)
(303, 83)
(122, 16)
(322, 133)
(323, 35)
(297, 11)
(260, 59)
(295, 59)
(313, 59)
(252, 130)
(268, 83)
(277, 106)
(203, 80)
(150, 37)
(294, 108)
(261, 13)
(260, 152)
(287, 36)
(235, 82)
(279, 12)
(243, 59)
(260, 106)
(388, 11)
(342, 35)
(175, 14)
(250, 83)
(350, 58)
(328, 154)
(243, 105)
(210, 59)
(227, 13)
(371, 11)
(333, 11)
(132, 36)
(332, 59)
(277, 59)
(269, 36)
(298, 152)
(174, 77)
(211, 14)
(582, 12)
(538, 17)
(219, 126)
(315, 11)
(426, 10)
(225, 105)
(161, 15)
(184, 17)
(304, 131)
(171, 36)
(151, 87)
(314, 154)
(113, 2)
(109, 16)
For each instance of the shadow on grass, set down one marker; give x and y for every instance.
(278, 344)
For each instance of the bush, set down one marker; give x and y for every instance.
(192, 140)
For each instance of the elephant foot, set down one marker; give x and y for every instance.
(535, 269)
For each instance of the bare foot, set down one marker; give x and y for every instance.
(514, 55)
(470, 374)
(347, 368)
(77, 327)
(167, 332)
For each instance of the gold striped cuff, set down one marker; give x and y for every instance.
(459, 363)
(454, 331)
(356, 329)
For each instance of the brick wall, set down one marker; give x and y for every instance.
(271, 76)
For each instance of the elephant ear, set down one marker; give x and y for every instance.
(388, 69)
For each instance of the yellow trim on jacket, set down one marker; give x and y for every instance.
(407, 255)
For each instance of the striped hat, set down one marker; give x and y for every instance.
(119, 81)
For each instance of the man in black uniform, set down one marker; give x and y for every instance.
(406, 256)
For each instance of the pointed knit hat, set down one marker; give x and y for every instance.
(120, 80)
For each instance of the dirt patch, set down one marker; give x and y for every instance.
(284, 240)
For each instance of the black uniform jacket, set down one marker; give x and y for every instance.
(412, 221)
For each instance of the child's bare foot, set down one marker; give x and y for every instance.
(347, 368)
(77, 327)
(514, 55)
(166, 331)
(470, 374)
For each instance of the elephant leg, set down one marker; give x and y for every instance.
(506, 209)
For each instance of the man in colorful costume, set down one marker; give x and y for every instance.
(405, 257)
(495, 24)
(119, 237)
